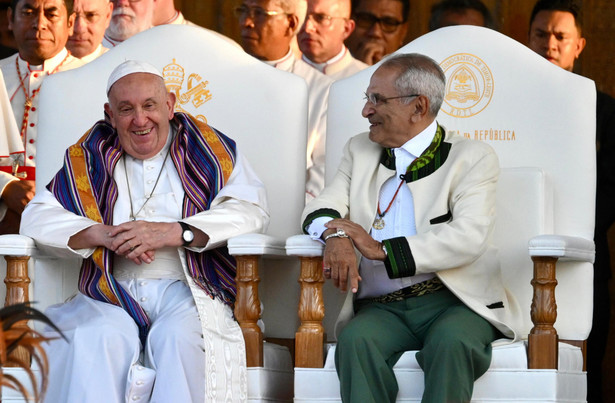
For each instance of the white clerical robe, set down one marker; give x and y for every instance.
(240, 207)
(340, 66)
(99, 51)
(10, 144)
(318, 96)
(20, 78)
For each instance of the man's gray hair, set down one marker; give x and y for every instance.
(418, 74)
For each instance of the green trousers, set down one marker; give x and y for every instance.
(454, 346)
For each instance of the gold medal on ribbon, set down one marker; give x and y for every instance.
(378, 223)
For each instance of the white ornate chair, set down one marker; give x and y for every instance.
(540, 120)
(263, 109)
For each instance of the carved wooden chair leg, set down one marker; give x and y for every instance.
(309, 339)
(17, 291)
(542, 341)
(248, 308)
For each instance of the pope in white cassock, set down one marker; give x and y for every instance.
(152, 320)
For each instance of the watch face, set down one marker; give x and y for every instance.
(188, 236)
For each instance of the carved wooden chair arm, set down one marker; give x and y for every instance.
(17, 250)
(247, 250)
(545, 251)
(310, 337)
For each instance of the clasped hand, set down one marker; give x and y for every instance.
(339, 260)
(137, 240)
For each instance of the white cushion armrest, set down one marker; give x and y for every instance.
(17, 245)
(563, 247)
(256, 244)
(303, 245)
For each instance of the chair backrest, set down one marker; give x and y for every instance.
(535, 115)
(263, 109)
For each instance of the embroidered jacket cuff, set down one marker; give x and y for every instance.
(324, 212)
(399, 262)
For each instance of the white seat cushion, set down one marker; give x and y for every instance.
(506, 355)
(507, 379)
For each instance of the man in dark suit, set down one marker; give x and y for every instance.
(555, 33)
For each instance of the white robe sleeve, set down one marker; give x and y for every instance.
(51, 225)
(239, 208)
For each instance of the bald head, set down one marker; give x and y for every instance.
(326, 27)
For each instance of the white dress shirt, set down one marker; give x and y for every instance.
(399, 220)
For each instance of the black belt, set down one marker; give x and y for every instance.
(415, 290)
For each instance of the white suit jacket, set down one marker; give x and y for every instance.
(454, 213)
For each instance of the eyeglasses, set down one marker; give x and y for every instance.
(257, 14)
(368, 20)
(322, 19)
(377, 99)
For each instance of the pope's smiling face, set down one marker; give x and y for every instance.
(140, 109)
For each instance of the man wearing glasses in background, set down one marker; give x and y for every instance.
(321, 38)
(381, 27)
(267, 30)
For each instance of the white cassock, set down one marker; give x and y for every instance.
(10, 143)
(21, 78)
(195, 350)
(318, 96)
(99, 51)
(340, 66)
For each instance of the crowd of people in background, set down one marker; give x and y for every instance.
(319, 40)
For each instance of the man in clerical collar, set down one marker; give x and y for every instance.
(395, 221)
(321, 39)
(267, 30)
(166, 13)
(41, 29)
(92, 18)
(128, 19)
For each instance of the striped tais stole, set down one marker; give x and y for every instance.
(204, 159)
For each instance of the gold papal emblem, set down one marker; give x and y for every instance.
(469, 87)
(196, 92)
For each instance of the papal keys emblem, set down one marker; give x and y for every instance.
(196, 92)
